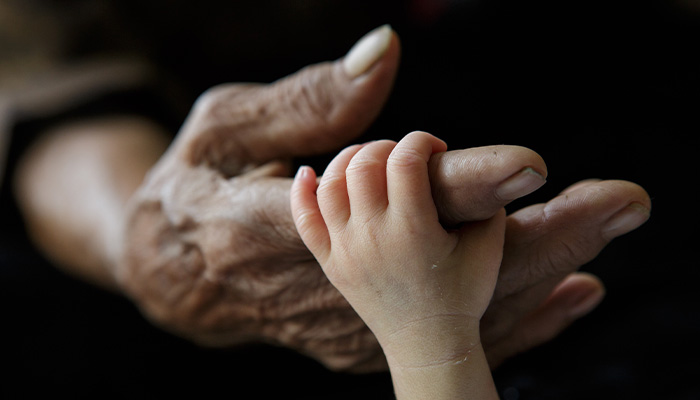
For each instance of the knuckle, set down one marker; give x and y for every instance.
(362, 165)
(564, 255)
(332, 209)
(370, 158)
(219, 118)
(329, 183)
(311, 94)
(404, 157)
(215, 102)
(209, 105)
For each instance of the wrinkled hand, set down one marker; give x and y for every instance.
(211, 253)
(210, 250)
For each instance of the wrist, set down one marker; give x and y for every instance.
(430, 342)
(465, 376)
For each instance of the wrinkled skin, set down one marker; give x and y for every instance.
(210, 250)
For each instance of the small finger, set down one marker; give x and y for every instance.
(576, 296)
(307, 215)
(408, 183)
(332, 190)
(366, 179)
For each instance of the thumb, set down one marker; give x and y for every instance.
(315, 110)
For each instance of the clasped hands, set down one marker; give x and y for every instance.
(211, 252)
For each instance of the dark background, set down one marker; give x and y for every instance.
(600, 89)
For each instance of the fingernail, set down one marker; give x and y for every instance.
(626, 220)
(585, 302)
(302, 172)
(523, 183)
(367, 51)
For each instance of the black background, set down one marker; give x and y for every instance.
(600, 89)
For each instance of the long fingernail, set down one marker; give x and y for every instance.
(523, 183)
(626, 220)
(367, 51)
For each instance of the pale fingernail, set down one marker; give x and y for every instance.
(626, 220)
(302, 172)
(523, 183)
(368, 50)
(585, 302)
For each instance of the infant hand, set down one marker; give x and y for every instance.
(373, 226)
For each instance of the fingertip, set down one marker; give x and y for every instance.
(578, 294)
(597, 204)
(437, 145)
(574, 297)
(305, 174)
(408, 180)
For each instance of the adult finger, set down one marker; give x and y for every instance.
(310, 112)
(332, 191)
(547, 242)
(573, 298)
(579, 185)
(474, 184)
(554, 239)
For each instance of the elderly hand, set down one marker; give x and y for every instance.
(211, 253)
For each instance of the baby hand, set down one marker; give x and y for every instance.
(373, 226)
